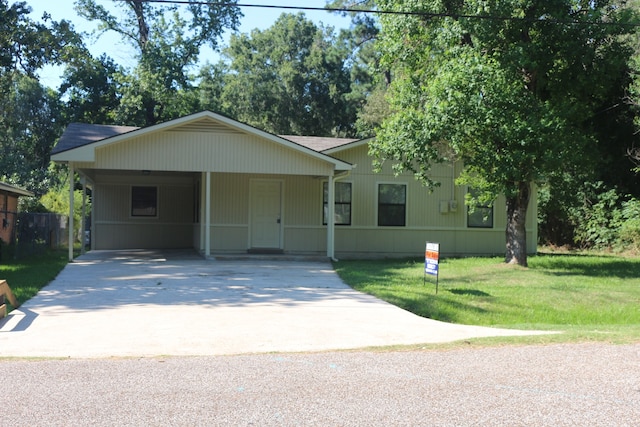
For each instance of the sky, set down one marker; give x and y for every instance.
(113, 46)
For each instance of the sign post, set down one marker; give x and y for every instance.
(431, 258)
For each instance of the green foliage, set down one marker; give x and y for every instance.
(29, 112)
(90, 89)
(57, 201)
(629, 234)
(289, 79)
(510, 98)
(159, 87)
(597, 221)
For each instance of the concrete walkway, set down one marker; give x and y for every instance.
(146, 303)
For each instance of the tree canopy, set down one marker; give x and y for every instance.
(167, 39)
(507, 87)
(291, 78)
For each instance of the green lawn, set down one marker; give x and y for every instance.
(27, 276)
(590, 297)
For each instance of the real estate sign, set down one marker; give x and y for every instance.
(431, 257)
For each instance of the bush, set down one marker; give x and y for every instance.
(629, 233)
(598, 220)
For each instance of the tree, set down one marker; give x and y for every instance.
(507, 87)
(289, 79)
(167, 46)
(90, 89)
(29, 113)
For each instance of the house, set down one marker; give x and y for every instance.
(208, 182)
(9, 210)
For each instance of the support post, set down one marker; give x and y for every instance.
(207, 216)
(331, 217)
(84, 214)
(71, 225)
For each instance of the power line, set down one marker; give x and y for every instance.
(428, 15)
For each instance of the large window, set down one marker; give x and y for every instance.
(144, 201)
(479, 216)
(392, 204)
(342, 203)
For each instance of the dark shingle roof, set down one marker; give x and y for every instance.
(318, 143)
(79, 134)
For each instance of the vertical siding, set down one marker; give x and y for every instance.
(303, 231)
(114, 228)
(208, 151)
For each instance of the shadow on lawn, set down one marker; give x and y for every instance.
(586, 265)
(472, 292)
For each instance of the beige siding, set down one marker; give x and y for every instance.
(207, 151)
(426, 220)
(302, 229)
(114, 227)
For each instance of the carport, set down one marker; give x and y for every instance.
(202, 181)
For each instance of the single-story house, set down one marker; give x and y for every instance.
(208, 182)
(9, 210)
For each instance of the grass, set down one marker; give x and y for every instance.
(589, 297)
(27, 276)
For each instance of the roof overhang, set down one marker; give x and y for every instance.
(14, 190)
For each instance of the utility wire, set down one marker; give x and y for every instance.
(542, 19)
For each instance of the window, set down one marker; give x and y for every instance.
(342, 203)
(144, 201)
(480, 216)
(392, 204)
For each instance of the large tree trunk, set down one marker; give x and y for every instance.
(516, 232)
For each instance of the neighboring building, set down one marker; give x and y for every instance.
(9, 210)
(210, 183)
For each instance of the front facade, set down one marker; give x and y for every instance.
(221, 187)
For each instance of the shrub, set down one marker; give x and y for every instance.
(598, 220)
(629, 234)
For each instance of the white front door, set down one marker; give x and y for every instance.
(266, 219)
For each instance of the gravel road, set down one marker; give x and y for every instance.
(554, 385)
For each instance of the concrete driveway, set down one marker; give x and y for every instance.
(149, 303)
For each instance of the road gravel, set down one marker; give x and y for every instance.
(553, 385)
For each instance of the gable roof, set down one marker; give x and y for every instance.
(79, 134)
(82, 137)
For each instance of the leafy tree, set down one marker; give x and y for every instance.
(32, 116)
(369, 81)
(29, 113)
(211, 79)
(510, 95)
(289, 79)
(90, 89)
(167, 46)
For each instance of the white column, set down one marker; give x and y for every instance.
(207, 216)
(331, 217)
(71, 239)
(84, 213)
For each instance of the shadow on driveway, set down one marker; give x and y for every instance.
(146, 303)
